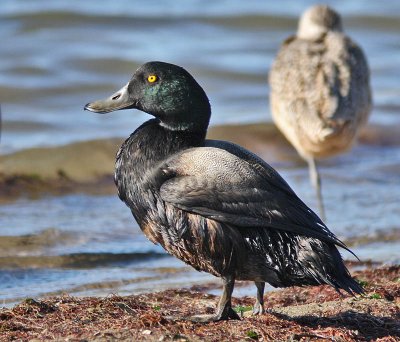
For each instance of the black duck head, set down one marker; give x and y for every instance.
(165, 91)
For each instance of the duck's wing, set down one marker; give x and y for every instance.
(229, 184)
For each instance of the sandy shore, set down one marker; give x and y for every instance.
(89, 166)
(294, 314)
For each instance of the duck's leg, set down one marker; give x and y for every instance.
(316, 182)
(258, 308)
(224, 308)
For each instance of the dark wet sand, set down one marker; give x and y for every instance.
(89, 166)
(294, 314)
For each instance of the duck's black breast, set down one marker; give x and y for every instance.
(138, 160)
(201, 242)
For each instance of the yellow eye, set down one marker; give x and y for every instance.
(152, 78)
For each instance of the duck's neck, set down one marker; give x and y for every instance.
(149, 145)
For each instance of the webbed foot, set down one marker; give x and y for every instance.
(225, 315)
(258, 309)
(224, 309)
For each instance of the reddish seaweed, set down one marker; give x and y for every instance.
(294, 314)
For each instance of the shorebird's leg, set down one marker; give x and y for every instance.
(258, 308)
(224, 309)
(316, 182)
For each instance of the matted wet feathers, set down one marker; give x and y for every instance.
(213, 204)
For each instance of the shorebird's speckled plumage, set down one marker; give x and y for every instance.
(320, 93)
(213, 204)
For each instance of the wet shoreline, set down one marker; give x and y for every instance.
(88, 166)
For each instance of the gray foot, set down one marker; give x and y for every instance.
(258, 309)
(225, 315)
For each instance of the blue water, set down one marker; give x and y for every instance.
(58, 55)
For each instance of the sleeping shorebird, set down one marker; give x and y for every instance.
(320, 93)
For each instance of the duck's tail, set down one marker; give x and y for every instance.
(322, 263)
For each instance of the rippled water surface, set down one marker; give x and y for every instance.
(58, 55)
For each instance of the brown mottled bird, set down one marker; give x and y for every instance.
(320, 93)
(213, 204)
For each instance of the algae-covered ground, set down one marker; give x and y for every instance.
(294, 314)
